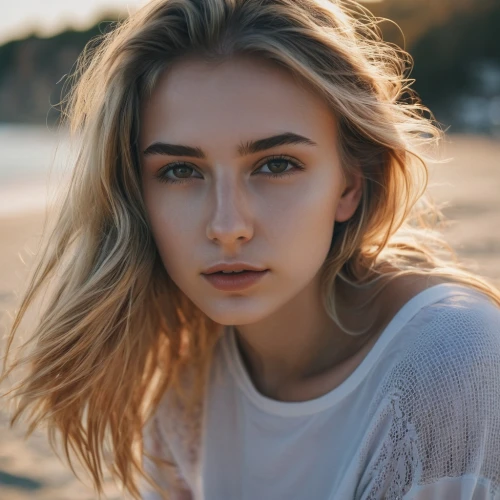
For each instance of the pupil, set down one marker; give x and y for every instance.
(181, 169)
(282, 163)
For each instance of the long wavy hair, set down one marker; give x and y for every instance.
(116, 332)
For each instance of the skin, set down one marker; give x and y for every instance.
(229, 208)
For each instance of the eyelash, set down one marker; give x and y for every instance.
(160, 175)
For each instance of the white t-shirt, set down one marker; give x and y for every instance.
(419, 418)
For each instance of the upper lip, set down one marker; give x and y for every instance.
(233, 266)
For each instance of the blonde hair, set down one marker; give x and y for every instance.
(117, 332)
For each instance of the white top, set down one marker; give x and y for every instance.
(419, 418)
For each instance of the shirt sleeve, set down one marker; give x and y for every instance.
(167, 474)
(437, 436)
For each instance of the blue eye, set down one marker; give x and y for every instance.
(281, 161)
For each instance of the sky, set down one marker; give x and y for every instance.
(47, 17)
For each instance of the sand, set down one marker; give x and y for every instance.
(29, 469)
(470, 183)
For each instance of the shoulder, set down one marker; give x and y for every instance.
(447, 386)
(445, 379)
(438, 413)
(456, 332)
(455, 358)
(452, 339)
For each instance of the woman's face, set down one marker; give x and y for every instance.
(225, 205)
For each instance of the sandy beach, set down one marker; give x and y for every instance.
(470, 184)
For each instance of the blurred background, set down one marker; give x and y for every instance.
(456, 50)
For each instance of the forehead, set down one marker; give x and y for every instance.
(239, 96)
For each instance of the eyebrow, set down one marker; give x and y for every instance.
(250, 147)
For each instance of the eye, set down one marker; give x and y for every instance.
(178, 168)
(280, 163)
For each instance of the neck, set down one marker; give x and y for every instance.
(295, 347)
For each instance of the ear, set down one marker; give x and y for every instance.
(350, 198)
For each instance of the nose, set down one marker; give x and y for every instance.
(230, 220)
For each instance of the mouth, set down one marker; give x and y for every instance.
(232, 273)
(232, 282)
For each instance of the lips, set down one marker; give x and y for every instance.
(234, 272)
(233, 282)
(233, 266)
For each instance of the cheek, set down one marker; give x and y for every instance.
(313, 229)
(302, 228)
(313, 210)
(170, 229)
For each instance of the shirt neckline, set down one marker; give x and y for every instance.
(292, 409)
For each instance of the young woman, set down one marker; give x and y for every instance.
(353, 358)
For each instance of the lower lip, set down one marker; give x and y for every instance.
(234, 282)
